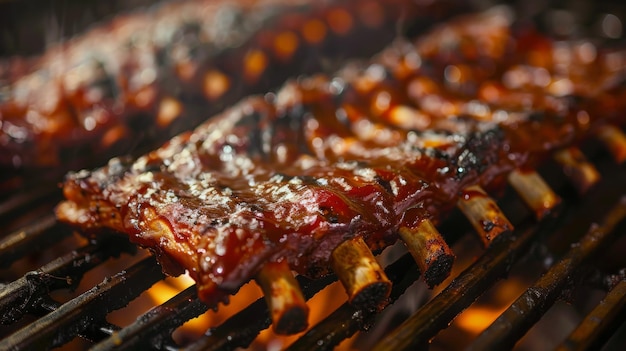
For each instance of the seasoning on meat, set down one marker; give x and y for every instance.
(374, 153)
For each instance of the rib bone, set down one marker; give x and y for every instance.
(361, 275)
(483, 213)
(534, 191)
(581, 172)
(615, 141)
(284, 298)
(431, 252)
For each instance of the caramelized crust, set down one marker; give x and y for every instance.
(365, 153)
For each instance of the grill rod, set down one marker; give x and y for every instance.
(597, 325)
(24, 295)
(90, 308)
(31, 238)
(148, 330)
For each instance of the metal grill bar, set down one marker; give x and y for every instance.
(95, 331)
(31, 238)
(599, 323)
(29, 197)
(90, 308)
(149, 329)
(229, 335)
(24, 294)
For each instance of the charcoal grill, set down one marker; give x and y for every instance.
(573, 250)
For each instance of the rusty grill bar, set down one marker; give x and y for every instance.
(587, 225)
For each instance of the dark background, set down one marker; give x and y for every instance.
(27, 27)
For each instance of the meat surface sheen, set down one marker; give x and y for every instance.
(376, 147)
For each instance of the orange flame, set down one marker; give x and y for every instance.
(321, 305)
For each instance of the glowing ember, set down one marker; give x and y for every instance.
(476, 319)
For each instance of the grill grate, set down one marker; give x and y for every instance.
(35, 319)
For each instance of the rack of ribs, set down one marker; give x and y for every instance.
(327, 170)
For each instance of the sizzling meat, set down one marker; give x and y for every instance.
(373, 149)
